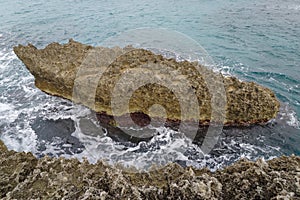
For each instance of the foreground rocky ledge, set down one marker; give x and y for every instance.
(22, 176)
(72, 70)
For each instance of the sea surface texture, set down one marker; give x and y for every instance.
(252, 40)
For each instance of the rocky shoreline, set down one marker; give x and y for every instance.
(70, 70)
(90, 75)
(22, 176)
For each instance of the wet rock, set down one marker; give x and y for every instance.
(22, 176)
(90, 75)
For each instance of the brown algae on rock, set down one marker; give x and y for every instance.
(22, 176)
(89, 75)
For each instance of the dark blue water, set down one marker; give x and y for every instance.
(253, 40)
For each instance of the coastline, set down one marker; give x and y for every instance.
(54, 148)
(69, 178)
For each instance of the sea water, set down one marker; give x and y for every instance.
(252, 40)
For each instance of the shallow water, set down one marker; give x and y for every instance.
(255, 41)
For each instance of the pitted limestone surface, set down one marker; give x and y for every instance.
(74, 68)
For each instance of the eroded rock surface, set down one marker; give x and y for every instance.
(90, 75)
(22, 176)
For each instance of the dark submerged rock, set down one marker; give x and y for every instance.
(58, 131)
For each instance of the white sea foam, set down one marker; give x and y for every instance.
(8, 114)
(293, 121)
(20, 138)
(162, 148)
(289, 115)
(5, 107)
(294, 7)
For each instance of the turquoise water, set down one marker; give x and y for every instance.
(253, 40)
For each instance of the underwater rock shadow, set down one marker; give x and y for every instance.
(57, 133)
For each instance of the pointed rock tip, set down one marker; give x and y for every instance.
(71, 40)
(2, 146)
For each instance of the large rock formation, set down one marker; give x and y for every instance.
(73, 71)
(22, 176)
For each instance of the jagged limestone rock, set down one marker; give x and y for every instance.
(14, 168)
(90, 75)
(22, 176)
